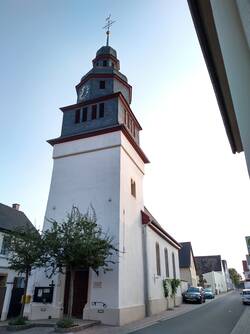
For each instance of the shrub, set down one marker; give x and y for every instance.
(18, 321)
(65, 323)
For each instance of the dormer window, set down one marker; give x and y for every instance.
(77, 116)
(102, 84)
(105, 63)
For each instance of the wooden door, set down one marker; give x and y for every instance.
(80, 292)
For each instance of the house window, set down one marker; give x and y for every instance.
(166, 262)
(97, 64)
(102, 84)
(133, 188)
(158, 260)
(105, 63)
(94, 109)
(101, 110)
(5, 245)
(84, 114)
(77, 116)
(174, 268)
(125, 117)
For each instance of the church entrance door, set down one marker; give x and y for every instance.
(80, 296)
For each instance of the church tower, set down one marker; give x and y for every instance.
(98, 161)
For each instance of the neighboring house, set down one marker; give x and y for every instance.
(211, 268)
(229, 282)
(11, 284)
(246, 270)
(187, 264)
(223, 30)
(98, 160)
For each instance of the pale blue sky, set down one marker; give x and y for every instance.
(194, 186)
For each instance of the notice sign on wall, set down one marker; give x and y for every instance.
(248, 244)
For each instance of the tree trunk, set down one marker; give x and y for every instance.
(25, 291)
(71, 292)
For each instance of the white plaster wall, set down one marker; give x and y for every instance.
(216, 280)
(155, 281)
(236, 56)
(131, 285)
(87, 172)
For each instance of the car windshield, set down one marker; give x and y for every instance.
(192, 289)
(208, 290)
(246, 292)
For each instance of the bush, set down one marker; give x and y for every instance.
(18, 321)
(65, 323)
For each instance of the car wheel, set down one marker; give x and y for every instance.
(200, 301)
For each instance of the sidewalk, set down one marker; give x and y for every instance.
(134, 326)
(243, 325)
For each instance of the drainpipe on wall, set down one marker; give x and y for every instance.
(145, 221)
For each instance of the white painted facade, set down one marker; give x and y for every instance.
(97, 171)
(216, 280)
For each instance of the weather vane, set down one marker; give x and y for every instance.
(109, 23)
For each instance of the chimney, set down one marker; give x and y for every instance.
(16, 206)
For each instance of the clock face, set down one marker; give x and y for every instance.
(83, 92)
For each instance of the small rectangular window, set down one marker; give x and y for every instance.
(102, 84)
(5, 245)
(94, 109)
(84, 114)
(77, 116)
(158, 260)
(105, 63)
(133, 188)
(101, 110)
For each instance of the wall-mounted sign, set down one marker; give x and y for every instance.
(97, 285)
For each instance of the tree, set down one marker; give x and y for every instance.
(77, 243)
(202, 281)
(235, 276)
(25, 247)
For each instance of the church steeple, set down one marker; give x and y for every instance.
(103, 103)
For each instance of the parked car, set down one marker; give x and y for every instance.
(245, 296)
(208, 293)
(194, 294)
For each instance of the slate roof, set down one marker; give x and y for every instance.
(206, 264)
(185, 254)
(11, 218)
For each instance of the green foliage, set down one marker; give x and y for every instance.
(235, 276)
(202, 281)
(18, 321)
(170, 285)
(78, 242)
(65, 323)
(175, 283)
(25, 247)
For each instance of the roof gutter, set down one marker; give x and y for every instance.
(203, 19)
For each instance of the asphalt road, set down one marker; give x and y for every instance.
(216, 317)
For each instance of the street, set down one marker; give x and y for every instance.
(216, 317)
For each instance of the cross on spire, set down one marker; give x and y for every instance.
(109, 23)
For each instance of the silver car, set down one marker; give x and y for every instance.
(245, 296)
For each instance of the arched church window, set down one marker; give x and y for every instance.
(158, 260)
(133, 188)
(166, 262)
(174, 268)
